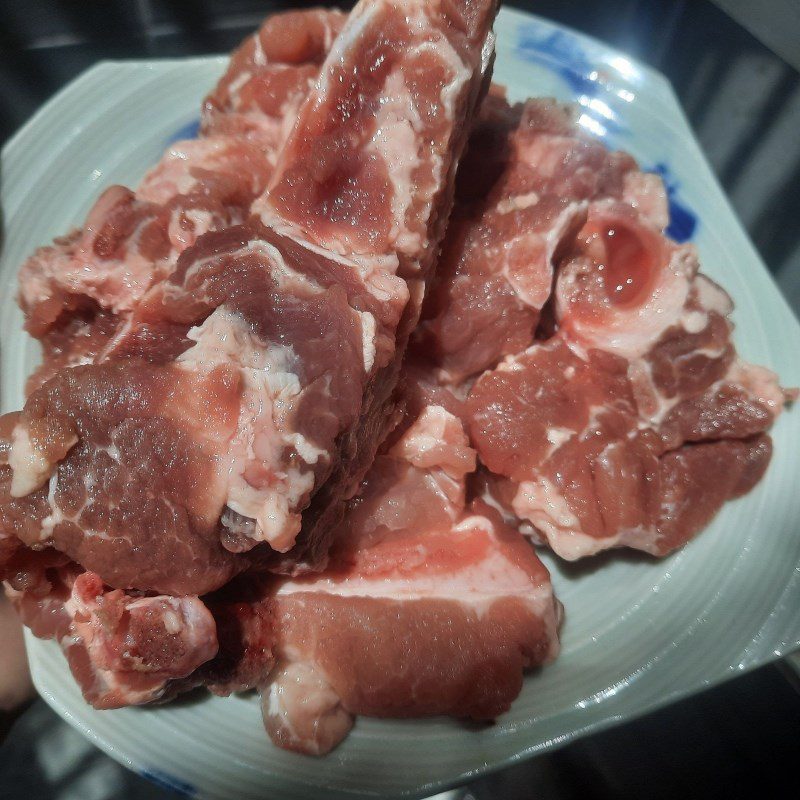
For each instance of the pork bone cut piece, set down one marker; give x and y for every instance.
(430, 605)
(122, 650)
(123, 467)
(269, 76)
(523, 192)
(77, 292)
(366, 180)
(293, 341)
(636, 421)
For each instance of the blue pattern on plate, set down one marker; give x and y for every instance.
(189, 131)
(561, 53)
(165, 781)
(682, 220)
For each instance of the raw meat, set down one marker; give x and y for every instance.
(97, 439)
(429, 606)
(524, 192)
(223, 351)
(77, 292)
(243, 377)
(344, 182)
(122, 650)
(269, 76)
(614, 431)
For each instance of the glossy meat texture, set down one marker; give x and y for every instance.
(524, 190)
(269, 76)
(221, 373)
(390, 112)
(122, 650)
(431, 605)
(636, 420)
(374, 151)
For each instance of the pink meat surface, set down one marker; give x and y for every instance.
(523, 194)
(86, 453)
(430, 606)
(635, 421)
(122, 650)
(269, 76)
(222, 349)
(386, 115)
(227, 378)
(223, 167)
(78, 291)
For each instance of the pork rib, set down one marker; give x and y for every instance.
(397, 138)
(289, 343)
(607, 421)
(430, 605)
(122, 650)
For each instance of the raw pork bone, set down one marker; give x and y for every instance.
(123, 467)
(303, 332)
(129, 649)
(74, 292)
(523, 193)
(344, 184)
(636, 421)
(300, 355)
(429, 606)
(122, 650)
(269, 76)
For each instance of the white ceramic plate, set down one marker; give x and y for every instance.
(638, 634)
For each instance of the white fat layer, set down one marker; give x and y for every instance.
(632, 333)
(368, 340)
(271, 388)
(56, 516)
(397, 139)
(259, 56)
(694, 321)
(711, 297)
(476, 585)
(653, 406)
(357, 22)
(517, 203)
(434, 440)
(237, 83)
(30, 469)
(645, 192)
(280, 270)
(541, 503)
(301, 708)
(536, 292)
(558, 437)
(396, 143)
(573, 545)
(758, 382)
